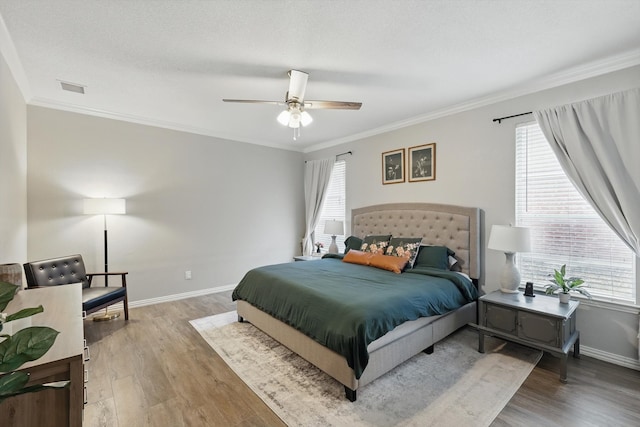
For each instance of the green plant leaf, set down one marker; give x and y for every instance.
(25, 312)
(563, 270)
(7, 292)
(12, 382)
(25, 345)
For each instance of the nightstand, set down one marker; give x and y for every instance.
(306, 258)
(540, 322)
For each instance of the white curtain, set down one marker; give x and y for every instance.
(317, 174)
(598, 145)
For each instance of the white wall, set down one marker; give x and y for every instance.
(215, 207)
(13, 169)
(475, 167)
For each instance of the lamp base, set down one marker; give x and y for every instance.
(333, 247)
(510, 278)
(106, 317)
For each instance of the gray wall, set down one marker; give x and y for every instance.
(475, 167)
(215, 207)
(13, 169)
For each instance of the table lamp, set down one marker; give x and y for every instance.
(333, 227)
(510, 240)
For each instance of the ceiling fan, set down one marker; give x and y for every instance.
(295, 115)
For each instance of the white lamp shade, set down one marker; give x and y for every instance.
(283, 118)
(510, 239)
(305, 118)
(334, 227)
(104, 206)
(293, 118)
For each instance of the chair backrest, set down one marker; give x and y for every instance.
(57, 271)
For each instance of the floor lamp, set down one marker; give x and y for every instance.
(105, 207)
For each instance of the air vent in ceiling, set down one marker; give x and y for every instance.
(72, 87)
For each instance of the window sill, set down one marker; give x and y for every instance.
(599, 302)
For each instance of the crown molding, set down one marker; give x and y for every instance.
(73, 108)
(583, 72)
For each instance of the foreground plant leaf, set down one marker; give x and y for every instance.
(7, 292)
(25, 312)
(12, 382)
(25, 345)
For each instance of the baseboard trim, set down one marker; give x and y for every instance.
(168, 298)
(176, 297)
(615, 359)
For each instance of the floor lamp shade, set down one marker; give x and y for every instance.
(104, 206)
(510, 240)
(333, 227)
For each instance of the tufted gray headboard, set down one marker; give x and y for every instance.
(456, 227)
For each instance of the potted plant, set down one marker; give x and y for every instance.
(565, 285)
(25, 345)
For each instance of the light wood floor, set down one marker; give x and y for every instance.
(156, 370)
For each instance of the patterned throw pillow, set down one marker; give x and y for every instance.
(375, 244)
(404, 247)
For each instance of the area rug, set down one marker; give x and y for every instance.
(454, 386)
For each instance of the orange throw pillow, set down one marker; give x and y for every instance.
(357, 257)
(388, 262)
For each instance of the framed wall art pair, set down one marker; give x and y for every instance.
(420, 165)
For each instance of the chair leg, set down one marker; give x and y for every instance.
(126, 308)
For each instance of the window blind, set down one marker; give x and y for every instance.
(565, 229)
(334, 206)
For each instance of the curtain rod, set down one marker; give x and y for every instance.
(342, 154)
(500, 119)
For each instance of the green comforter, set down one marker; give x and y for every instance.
(347, 306)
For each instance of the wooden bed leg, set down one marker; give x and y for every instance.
(240, 319)
(350, 394)
(428, 350)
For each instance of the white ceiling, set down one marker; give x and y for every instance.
(170, 63)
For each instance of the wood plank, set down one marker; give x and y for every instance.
(199, 389)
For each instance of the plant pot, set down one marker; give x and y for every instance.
(564, 298)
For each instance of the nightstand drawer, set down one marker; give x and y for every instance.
(541, 329)
(501, 318)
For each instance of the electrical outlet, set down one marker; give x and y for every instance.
(187, 275)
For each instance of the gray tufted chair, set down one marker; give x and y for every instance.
(70, 269)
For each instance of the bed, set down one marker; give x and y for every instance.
(454, 227)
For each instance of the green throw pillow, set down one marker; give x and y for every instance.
(352, 242)
(434, 257)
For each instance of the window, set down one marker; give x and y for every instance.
(334, 205)
(565, 229)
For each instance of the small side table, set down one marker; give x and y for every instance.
(540, 322)
(306, 258)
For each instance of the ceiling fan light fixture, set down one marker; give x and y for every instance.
(283, 118)
(294, 120)
(305, 118)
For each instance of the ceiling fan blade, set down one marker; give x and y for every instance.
(297, 85)
(334, 105)
(254, 101)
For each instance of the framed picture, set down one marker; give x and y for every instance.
(422, 163)
(393, 167)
